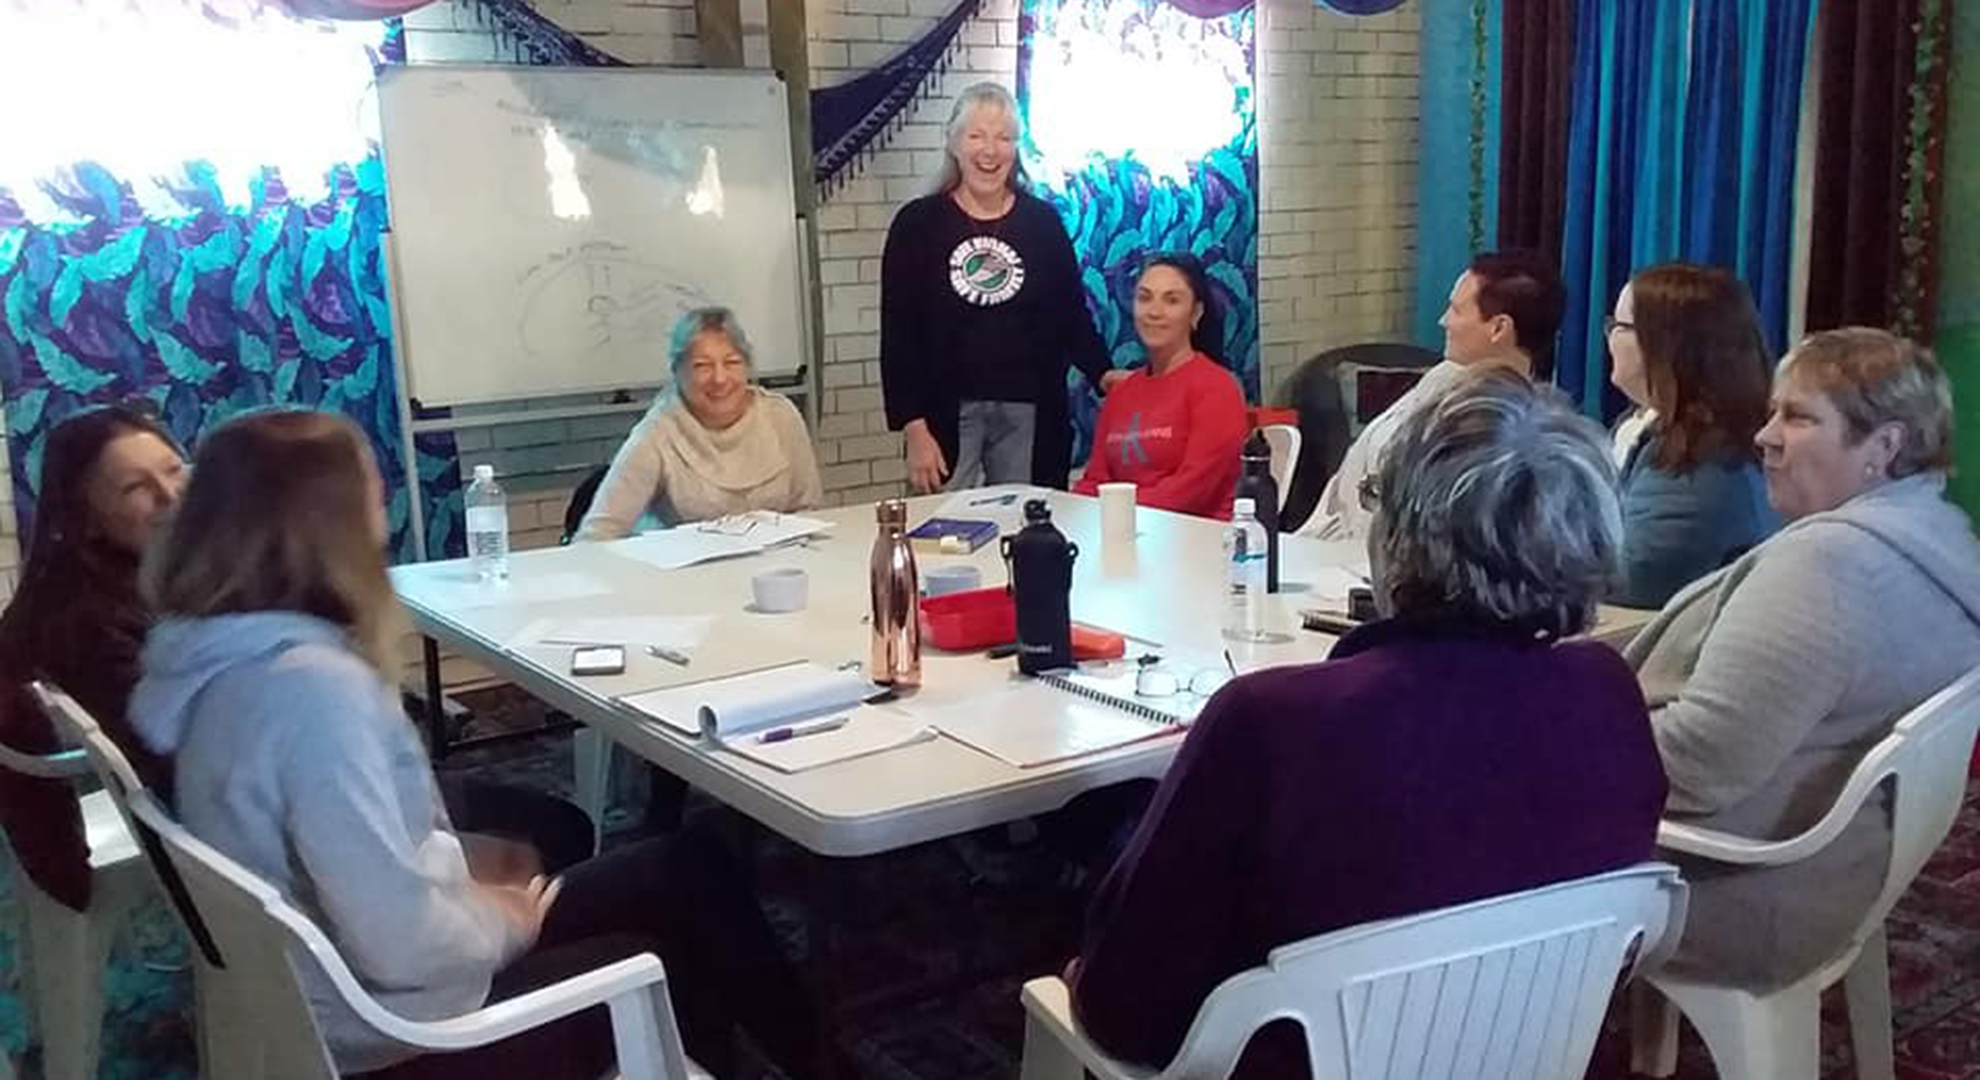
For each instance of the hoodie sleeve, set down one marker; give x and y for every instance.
(398, 898)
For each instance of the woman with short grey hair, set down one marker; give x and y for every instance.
(713, 444)
(1457, 749)
(1769, 680)
(1497, 504)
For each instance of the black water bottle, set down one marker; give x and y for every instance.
(1040, 561)
(1255, 483)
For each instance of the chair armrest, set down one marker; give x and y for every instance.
(1739, 850)
(518, 1014)
(63, 765)
(1049, 1001)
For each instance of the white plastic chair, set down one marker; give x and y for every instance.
(224, 1019)
(68, 949)
(261, 939)
(1513, 986)
(1778, 1034)
(1284, 442)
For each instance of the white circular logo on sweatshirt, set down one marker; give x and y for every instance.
(985, 271)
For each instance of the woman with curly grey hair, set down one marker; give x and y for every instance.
(1456, 749)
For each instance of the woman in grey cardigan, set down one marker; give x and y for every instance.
(713, 444)
(1688, 352)
(1769, 680)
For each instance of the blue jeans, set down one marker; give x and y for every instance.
(993, 444)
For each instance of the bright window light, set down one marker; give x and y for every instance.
(145, 89)
(1127, 81)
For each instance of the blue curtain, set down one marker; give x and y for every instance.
(1745, 110)
(1619, 171)
(1682, 146)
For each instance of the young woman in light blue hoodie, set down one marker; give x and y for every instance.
(271, 682)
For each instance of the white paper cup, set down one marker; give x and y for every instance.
(780, 590)
(1117, 513)
(952, 577)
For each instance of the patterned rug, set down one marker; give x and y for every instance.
(933, 943)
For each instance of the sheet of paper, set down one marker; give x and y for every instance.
(683, 545)
(742, 534)
(1034, 724)
(869, 730)
(753, 700)
(682, 632)
(459, 591)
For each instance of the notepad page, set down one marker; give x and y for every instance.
(1033, 724)
(742, 703)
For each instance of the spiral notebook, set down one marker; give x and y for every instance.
(1033, 723)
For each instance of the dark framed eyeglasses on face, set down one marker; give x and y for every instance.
(1611, 324)
(1369, 491)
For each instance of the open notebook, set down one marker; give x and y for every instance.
(791, 717)
(1064, 715)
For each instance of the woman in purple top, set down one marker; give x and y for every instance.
(1457, 749)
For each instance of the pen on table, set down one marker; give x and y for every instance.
(672, 656)
(799, 731)
(1229, 663)
(998, 500)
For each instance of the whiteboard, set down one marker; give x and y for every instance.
(550, 224)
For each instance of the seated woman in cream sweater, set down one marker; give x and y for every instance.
(713, 444)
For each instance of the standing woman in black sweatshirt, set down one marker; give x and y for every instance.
(981, 313)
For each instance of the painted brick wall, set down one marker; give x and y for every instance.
(1338, 106)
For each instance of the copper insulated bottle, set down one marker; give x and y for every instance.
(896, 590)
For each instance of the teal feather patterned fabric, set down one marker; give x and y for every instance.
(1118, 211)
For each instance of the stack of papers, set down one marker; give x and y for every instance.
(698, 542)
(791, 717)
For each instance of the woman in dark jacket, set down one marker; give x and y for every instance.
(981, 313)
(1457, 749)
(108, 478)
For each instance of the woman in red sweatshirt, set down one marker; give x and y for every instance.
(1173, 428)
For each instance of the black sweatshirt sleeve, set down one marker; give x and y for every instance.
(904, 359)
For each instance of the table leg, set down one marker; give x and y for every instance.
(436, 703)
(824, 969)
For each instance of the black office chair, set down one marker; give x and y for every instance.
(580, 503)
(1314, 389)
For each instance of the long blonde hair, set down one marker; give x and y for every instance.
(279, 517)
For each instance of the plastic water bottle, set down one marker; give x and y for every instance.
(487, 526)
(1244, 574)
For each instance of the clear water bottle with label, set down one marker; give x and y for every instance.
(1244, 574)
(487, 526)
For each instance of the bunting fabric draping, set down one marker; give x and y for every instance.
(854, 117)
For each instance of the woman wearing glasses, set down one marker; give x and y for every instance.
(1689, 354)
(1456, 749)
(712, 445)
